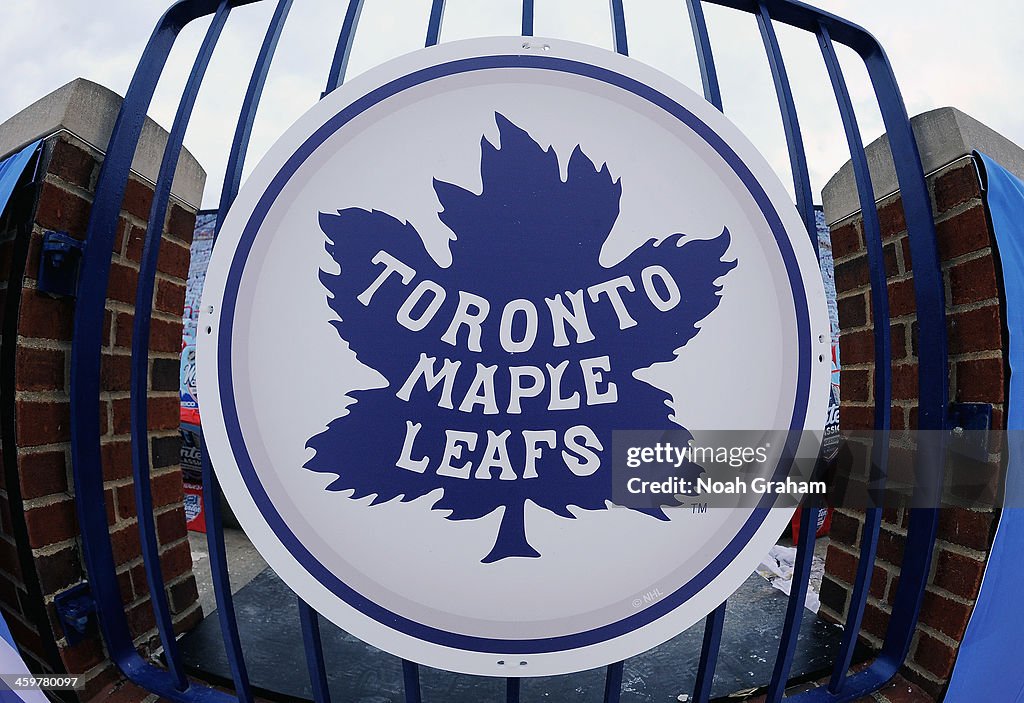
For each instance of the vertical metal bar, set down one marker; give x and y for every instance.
(883, 370)
(87, 465)
(917, 553)
(345, 38)
(791, 125)
(222, 582)
(527, 18)
(713, 625)
(434, 24)
(310, 621)
(930, 298)
(805, 206)
(795, 607)
(247, 115)
(232, 182)
(705, 57)
(933, 374)
(613, 683)
(855, 615)
(85, 349)
(140, 347)
(619, 27)
(411, 681)
(512, 689)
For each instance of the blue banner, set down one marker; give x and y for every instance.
(988, 666)
(12, 665)
(202, 247)
(11, 169)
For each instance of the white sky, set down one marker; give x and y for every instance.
(964, 53)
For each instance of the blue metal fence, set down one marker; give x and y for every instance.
(171, 682)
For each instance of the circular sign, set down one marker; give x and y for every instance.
(436, 303)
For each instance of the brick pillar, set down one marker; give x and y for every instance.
(977, 373)
(79, 116)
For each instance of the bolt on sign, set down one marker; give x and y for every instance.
(435, 300)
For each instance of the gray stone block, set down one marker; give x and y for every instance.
(943, 136)
(88, 111)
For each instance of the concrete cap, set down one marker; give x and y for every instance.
(88, 111)
(943, 136)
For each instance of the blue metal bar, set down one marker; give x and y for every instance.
(795, 606)
(713, 625)
(86, 349)
(855, 615)
(883, 370)
(791, 125)
(434, 24)
(140, 347)
(211, 488)
(803, 16)
(512, 689)
(933, 378)
(705, 57)
(222, 582)
(619, 27)
(247, 116)
(527, 18)
(336, 76)
(411, 680)
(805, 206)
(310, 621)
(613, 683)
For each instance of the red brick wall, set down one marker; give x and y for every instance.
(42, 419)
(976, 374)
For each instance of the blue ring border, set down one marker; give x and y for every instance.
(244, 462)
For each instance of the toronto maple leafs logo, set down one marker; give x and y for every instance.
(508, 369)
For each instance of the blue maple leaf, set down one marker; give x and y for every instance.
(527, 235)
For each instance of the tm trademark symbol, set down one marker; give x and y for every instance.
(699, 508)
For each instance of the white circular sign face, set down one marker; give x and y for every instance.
(432, 305)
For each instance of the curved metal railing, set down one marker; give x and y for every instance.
(171, 682)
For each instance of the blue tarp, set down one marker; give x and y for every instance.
(11, 169)
(988, 667)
